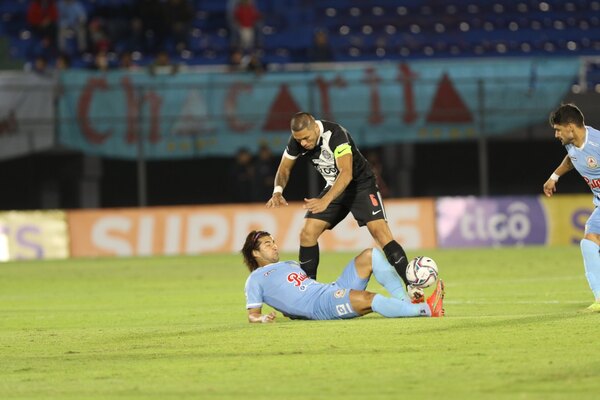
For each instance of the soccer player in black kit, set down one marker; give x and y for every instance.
(350, 187)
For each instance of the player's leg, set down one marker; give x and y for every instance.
(367, 208)
(357, 272)
(387, 276)
(364, 302)
(309, 245)
(394, 252)
(314, 225)
(590, 251)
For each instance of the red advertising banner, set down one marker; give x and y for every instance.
(212, 229)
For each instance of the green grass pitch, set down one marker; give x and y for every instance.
(176, 328)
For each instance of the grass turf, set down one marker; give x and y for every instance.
(176, 328)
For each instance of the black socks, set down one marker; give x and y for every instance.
(397, 257)
(309, 260)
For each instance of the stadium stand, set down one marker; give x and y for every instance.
(357, 30)
(360, 30)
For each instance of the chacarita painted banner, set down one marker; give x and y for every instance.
(26, 113)
(135, 114)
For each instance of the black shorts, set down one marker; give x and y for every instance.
(365, 204)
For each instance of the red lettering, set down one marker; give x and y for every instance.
(234, 123)
(297, 279)
(323, 87)
(407, 77)
(592, 183)
(132, 110)
(83, 110)
(375, 115)
(154, 102)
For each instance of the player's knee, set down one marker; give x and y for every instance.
(361, 301)
(363, 263)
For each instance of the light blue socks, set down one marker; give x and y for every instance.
(387, 276)
(591, 262)
(399, 304)
(394, 308)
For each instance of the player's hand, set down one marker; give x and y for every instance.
(315, 205)
(417, 295)
(549, 187)
(276, 200)
(270, 317)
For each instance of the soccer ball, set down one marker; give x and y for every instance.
(421, 272)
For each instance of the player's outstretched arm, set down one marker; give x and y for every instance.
(281, 179)
(550, 185)
(255, 315)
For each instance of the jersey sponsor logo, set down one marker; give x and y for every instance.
(592, 183)
(375, 212)
(591, 162)
(269, 272)
(297, 278)
(339, 293)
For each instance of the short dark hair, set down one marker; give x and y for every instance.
(301, 121)
(250, 245)
(567, 114)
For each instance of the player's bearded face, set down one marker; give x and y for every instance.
(564, 133)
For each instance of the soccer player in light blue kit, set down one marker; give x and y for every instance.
(583, 153)
(285, 286)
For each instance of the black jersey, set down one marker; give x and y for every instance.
(333, 136)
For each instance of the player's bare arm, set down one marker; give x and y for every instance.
(281, 179)
(344, 165)
(255, 315)
(550, 185)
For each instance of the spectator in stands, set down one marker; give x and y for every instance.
(265, 167)
(255, 64)
(42, 17)
(101, 61)
(39, 66)
(179, 15)
(163, 65)
(72, 18)
(241, 177)
(247, 18)
(236, 61)
(126, 62)
(62, 62)
(321, 50)
(99, 40)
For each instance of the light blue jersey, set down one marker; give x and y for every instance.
(586, 160)
(286, 287)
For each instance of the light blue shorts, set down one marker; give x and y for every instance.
(593, 223)
(334, 301)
